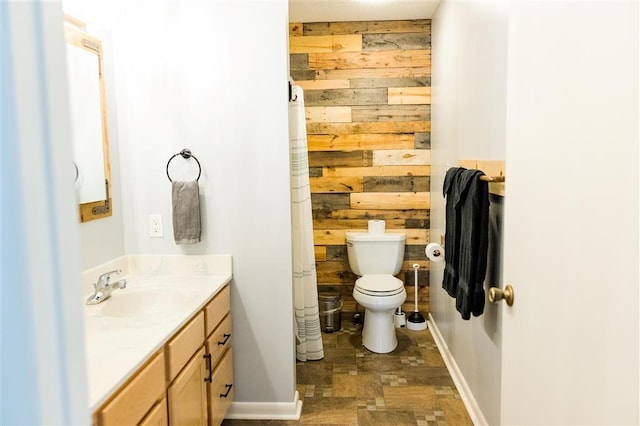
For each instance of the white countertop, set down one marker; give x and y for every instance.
(162, 293)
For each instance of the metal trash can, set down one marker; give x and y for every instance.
(330, 307)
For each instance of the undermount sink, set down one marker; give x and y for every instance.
(130, 303)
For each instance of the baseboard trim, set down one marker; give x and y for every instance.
(266, 410)
(458, 379)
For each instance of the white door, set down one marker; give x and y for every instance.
(570, 341)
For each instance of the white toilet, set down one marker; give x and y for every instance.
(376, 258)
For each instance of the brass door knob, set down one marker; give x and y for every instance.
(496, 295)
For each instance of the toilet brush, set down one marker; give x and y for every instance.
(416, 321)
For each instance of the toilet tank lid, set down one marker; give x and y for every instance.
(363, 236)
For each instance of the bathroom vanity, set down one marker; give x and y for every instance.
(159, 351)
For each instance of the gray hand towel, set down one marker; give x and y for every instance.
(186, 212)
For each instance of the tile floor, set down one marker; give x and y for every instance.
(353, 386)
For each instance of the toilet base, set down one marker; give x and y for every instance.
(379, 332)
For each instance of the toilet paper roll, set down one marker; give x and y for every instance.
(434, 252)
(376, 227)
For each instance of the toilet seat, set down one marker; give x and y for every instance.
(379, 285)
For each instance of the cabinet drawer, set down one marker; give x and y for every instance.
(219, 340)
(221, 389)
(217, 309)
(157, 416)
(182, 347)
(137, 397)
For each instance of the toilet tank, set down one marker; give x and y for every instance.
(375, 254)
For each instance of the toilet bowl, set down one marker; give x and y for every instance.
(376, 259)
(380, 295)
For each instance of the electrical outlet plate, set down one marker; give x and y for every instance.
(155, 225)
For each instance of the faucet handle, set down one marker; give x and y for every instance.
(104, 278)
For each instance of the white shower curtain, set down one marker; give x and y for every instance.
(305, 288)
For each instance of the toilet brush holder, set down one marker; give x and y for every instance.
(416, 321)
(399, 319)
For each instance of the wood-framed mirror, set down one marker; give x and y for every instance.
(92, 169)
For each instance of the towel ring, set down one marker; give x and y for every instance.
(186, 154)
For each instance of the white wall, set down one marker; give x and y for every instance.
(468, 114)
(212, 77)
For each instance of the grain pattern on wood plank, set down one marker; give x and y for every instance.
(417, 223)
(396, 41)
(378, 171)
(315, 171)
(332, 237)
(423, 290)
(368, 127)
(363, 83)
(414, 252)
(302, 74)
(328, 114)
(423, 278)
(359, 142)
(324, 84)
(390, 200)
(299, 61)
(354, 224)
(341, 97)
(336, 252)
(372, 73)
(409, 95)
(340, 158)
(399, 157)
(323, 204)
(296, 29)
(422, 140)
(396, 184)
(326, 237)
(391, 113)
(364, 27)
(386, 59)
(414, 236)
(424, 263)
(336, 184)
(320, 253)
(380, 214)
(332, 266)
(344, 277)
(326, 43)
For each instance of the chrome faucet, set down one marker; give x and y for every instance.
(103, 288)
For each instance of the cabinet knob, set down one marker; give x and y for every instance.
(496, 295)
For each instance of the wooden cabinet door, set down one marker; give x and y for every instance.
(188, 394)
(157, 416)
(221, 389)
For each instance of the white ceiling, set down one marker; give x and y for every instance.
(360, 10)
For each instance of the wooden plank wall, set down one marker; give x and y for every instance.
(367, 98)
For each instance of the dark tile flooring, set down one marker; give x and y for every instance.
(353, 386)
